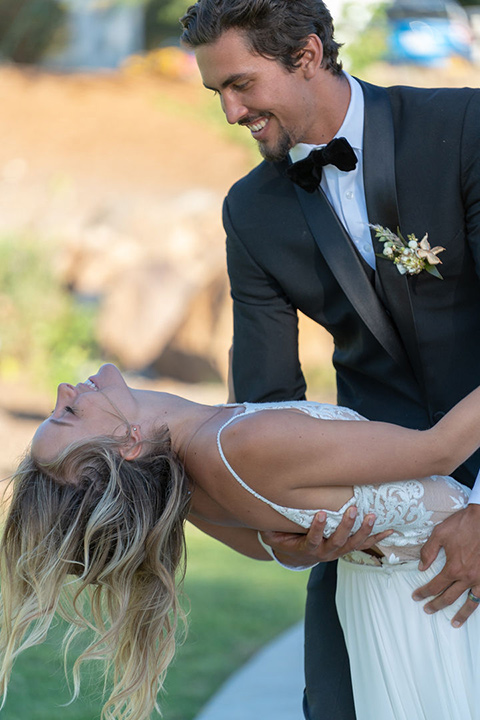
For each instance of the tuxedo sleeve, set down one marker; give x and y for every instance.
(265, 361)
(470, 169)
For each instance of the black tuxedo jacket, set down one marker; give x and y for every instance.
(407, 348)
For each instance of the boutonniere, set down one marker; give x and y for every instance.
(410, 256)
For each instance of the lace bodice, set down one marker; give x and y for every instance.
(411, 508)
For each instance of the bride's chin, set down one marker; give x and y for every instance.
(108, 374)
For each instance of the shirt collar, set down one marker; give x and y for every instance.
(351, 128)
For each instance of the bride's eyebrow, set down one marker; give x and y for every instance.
(60, 422)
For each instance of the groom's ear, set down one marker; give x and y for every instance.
(132, 447)
(311, 56)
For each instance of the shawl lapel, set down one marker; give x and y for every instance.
(346, 265)
(382, 208)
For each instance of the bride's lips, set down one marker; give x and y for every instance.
(86, 384)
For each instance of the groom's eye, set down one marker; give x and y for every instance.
(242, 86)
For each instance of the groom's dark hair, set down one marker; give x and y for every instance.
(275, 28)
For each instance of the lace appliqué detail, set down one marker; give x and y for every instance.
(411, 509)
(399, 506)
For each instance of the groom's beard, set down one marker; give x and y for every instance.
(280, 150)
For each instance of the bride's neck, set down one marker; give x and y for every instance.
(183, 417)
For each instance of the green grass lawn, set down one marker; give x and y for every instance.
(237, 605)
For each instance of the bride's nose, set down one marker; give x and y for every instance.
(65, 393)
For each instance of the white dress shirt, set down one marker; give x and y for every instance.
(346, 192)
(475, 494)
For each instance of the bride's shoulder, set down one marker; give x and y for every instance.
(265, 447)
(277, 426)
(266, 427)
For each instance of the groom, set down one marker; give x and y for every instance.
(407, 346)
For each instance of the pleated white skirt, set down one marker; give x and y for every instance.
(406, 665)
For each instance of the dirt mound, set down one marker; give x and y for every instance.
(114, 130)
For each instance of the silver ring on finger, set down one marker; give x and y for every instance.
(473, 597)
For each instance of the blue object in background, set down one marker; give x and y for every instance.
(428, 32)
(101, 34)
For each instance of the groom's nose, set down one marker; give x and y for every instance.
(233, 108)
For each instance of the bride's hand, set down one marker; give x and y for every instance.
(459, 535)
(300, 550)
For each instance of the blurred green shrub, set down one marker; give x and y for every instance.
(363, 29)
(28, 28)
(46, 335)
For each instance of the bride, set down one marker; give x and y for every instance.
(95, 532)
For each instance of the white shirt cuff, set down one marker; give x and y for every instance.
(475, 494)
(272, 554)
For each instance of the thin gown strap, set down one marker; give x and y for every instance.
(279, 508)
(302, 517)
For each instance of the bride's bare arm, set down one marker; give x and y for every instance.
(243, 540)
(291, 450)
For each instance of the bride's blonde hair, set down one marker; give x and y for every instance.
(118, 526)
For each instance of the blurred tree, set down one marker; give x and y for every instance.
(162, 20)
(363, 31)
(28, 28)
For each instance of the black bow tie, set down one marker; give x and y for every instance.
(308, 172)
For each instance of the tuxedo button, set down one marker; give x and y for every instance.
(438, 416)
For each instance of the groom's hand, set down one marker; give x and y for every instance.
(300, 550)
(459, 535)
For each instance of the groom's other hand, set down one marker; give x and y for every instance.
(300, 550)
(459, 535)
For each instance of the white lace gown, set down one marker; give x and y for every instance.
(405, 664)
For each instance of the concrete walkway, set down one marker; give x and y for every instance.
(268, 687)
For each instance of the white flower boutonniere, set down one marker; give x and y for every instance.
(410, 256)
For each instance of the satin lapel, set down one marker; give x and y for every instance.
(381, 197)
(345, 264)
(379, 158)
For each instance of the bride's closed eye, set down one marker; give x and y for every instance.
(68, 409)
